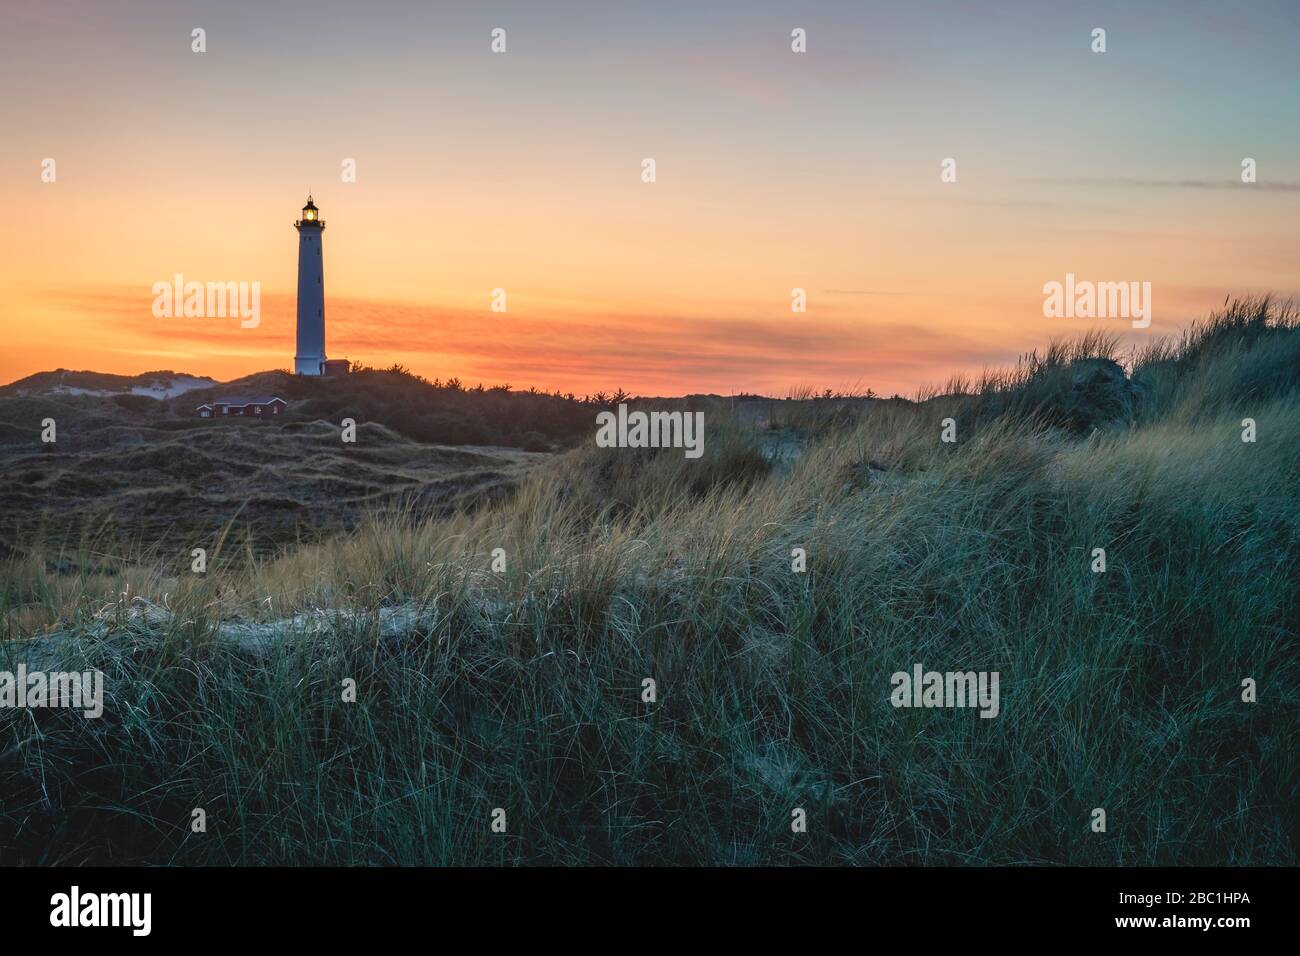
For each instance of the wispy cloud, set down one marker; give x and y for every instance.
(1263, 185)
(646, 352)
(862, 292)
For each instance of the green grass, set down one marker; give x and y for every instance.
(523, 690)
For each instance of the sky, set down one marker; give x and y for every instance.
(522, 171)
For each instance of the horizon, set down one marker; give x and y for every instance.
(774, 171)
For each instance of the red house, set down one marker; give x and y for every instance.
(242, 406)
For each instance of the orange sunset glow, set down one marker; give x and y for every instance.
(522, 172)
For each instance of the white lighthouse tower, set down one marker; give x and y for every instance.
(310, 356)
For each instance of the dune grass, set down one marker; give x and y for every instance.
(522, 689)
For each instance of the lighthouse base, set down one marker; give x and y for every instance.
(312, 365)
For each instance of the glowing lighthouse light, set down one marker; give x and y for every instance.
(310, 356)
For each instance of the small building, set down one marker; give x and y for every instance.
(335, 368)
(242, 406)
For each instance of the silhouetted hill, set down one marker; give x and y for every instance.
(160, 384)
(414, 407)
(124, 464)
(424, 411)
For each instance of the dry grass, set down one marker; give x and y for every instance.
(522, 689)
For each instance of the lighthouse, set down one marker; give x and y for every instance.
(310, 357)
